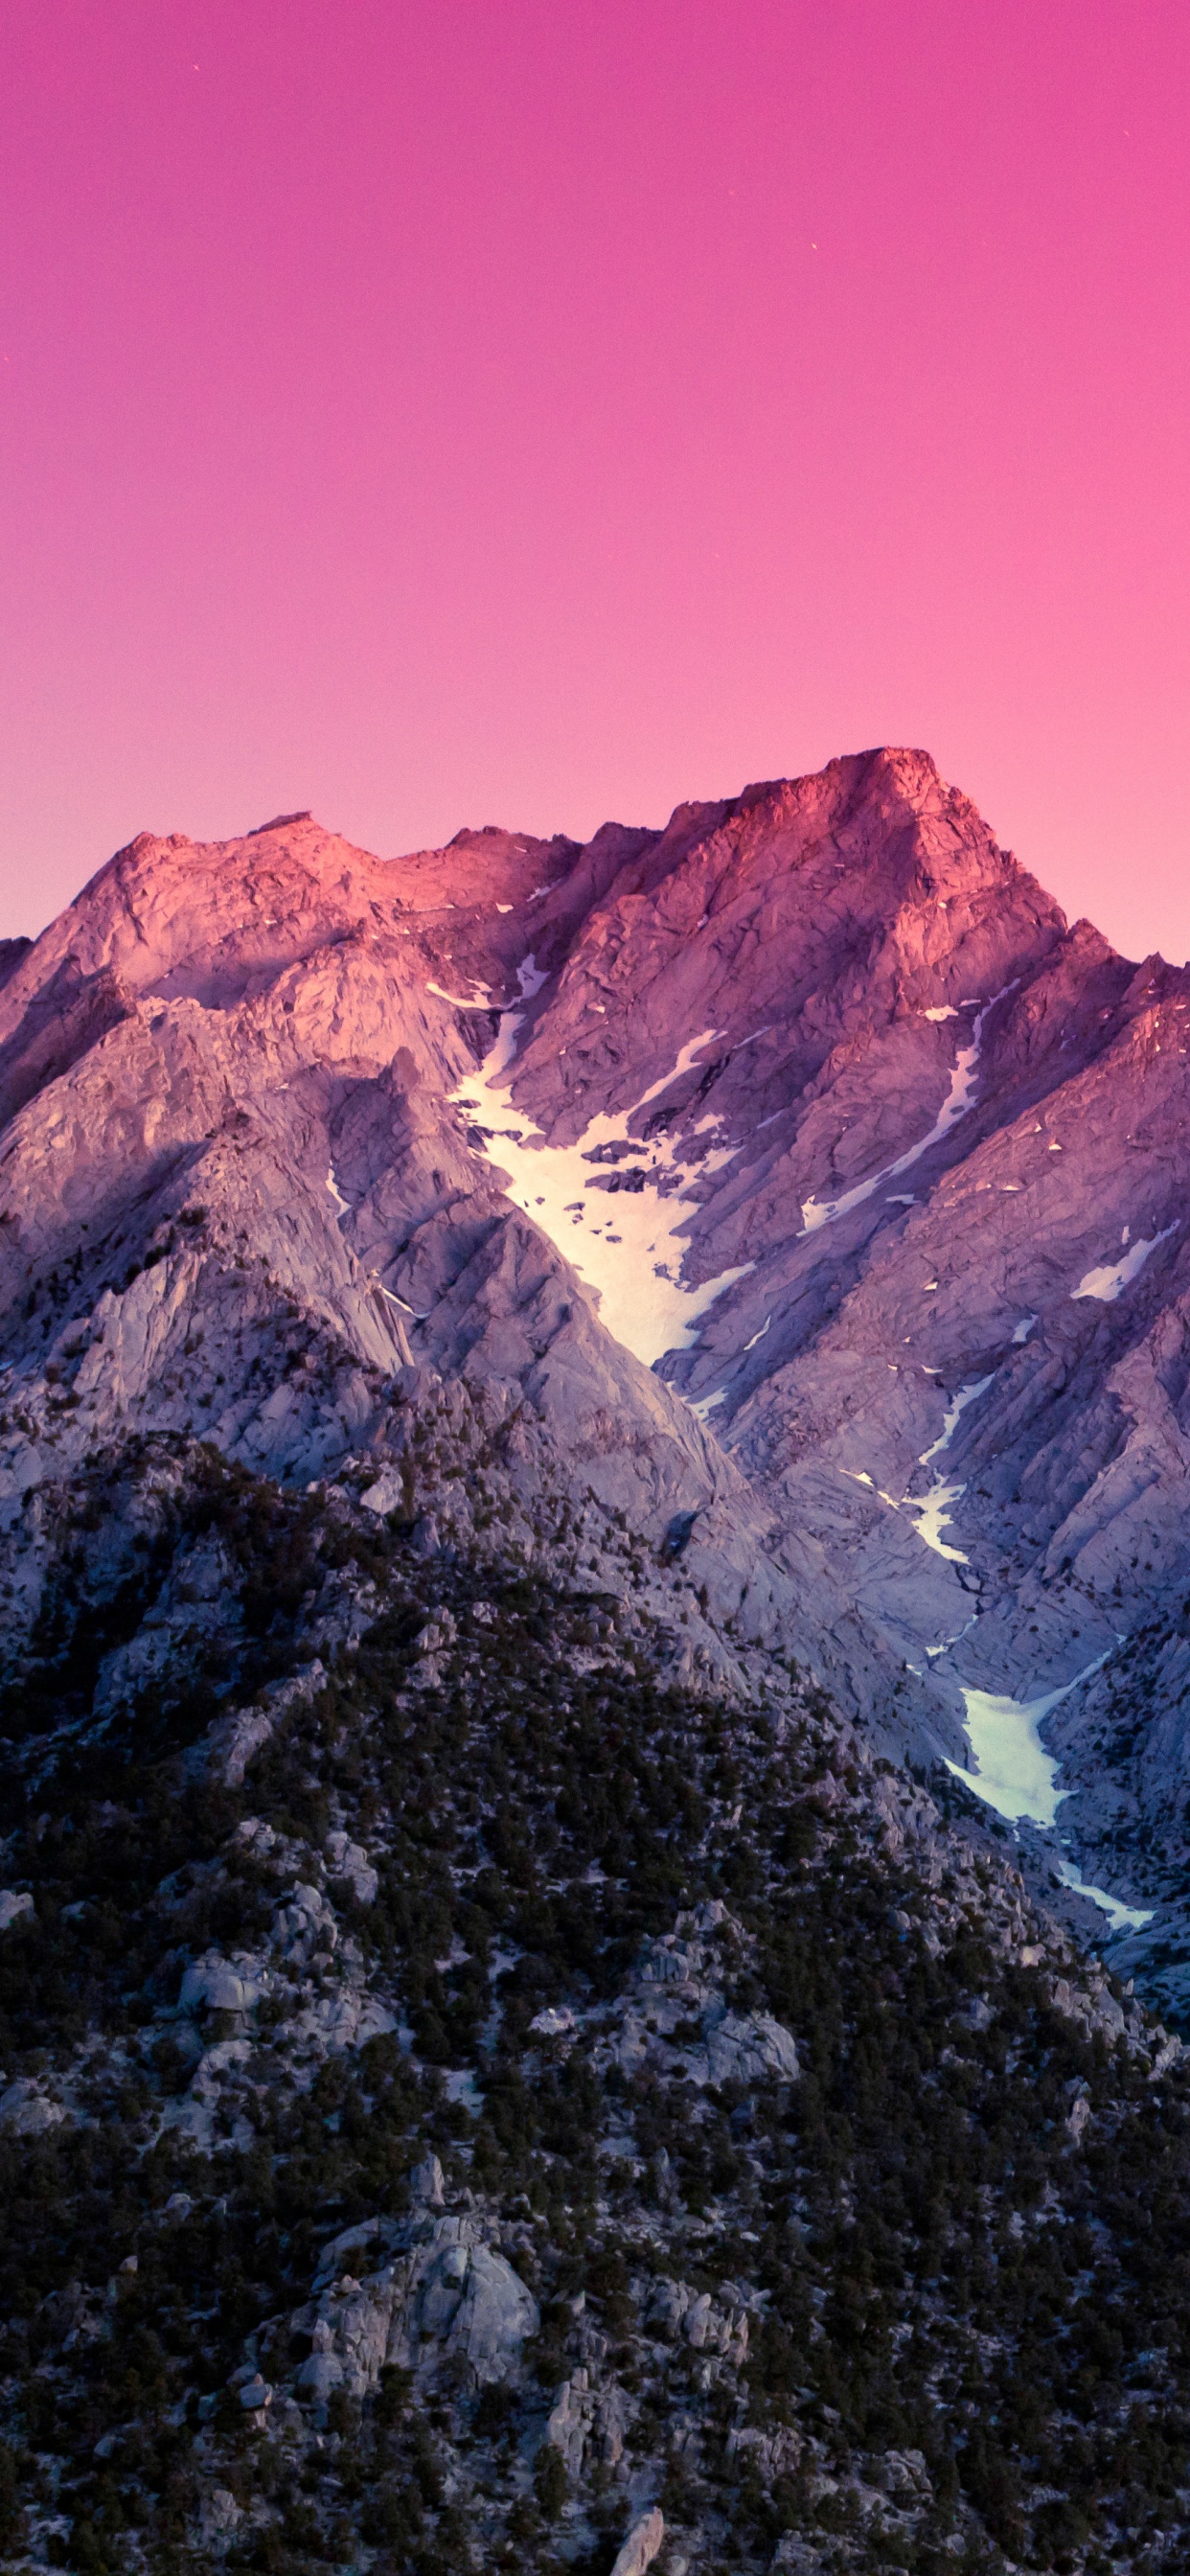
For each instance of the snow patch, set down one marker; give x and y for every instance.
(459, 1002)
(1022, 1330)
(630, 1242)
(394, 1300)
(1107, 1283)
(1013, 1772)
(933, 1507)
(1123, 1918)
(959, 1098)
(933, 1515)
(686, 1059)
(343, 1205)
(950, 1419)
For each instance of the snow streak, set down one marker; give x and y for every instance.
(959, 1098)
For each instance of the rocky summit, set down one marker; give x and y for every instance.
(594, 1446)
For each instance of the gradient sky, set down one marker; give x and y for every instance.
(451, 411)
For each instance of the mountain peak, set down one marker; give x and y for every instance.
(279, 822)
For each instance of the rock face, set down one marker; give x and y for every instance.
(794, 1181)
(677, 1995)
(452, 2299)
(641, 2546)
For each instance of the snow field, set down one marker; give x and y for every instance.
(1013, 1772)
(1122, 1918)
(627, 1244)
(1108, 1282)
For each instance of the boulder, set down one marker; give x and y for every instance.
(742, 2048)
(427, 2183)
(349, 1860)
(324, 2370)
(370, 2236)
(235, 1737)
(27, 2111)
(211, 1984)
(218, 2515)
(450, 2297)
(585, 2417)
(641, 2547)
(495, 2316)
(704, 2323)
(303, 1918)
(570, 2420)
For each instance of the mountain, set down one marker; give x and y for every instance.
(813, 1100)
(569, 1414)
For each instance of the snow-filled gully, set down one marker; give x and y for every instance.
(1011, 1769)
(933, 1507)
(931, 1511)
(627, 1244)
(1014, 1774)
(959, 1099)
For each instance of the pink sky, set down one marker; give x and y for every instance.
(451, 411)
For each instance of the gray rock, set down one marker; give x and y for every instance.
(370, 2236)
(27, 2111)
(234, 1739)
(706, 2324)
(641, 2547)
(496, 2315)
(588, 2421)
(13, 1908)
(570, 2419)
(451, 2297)
(303, 1921)
(219, 2515)
(213, 1985)
(743, 2048)
(428, 2183)
(349, 1860)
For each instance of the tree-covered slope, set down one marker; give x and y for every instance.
(467, 2095)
